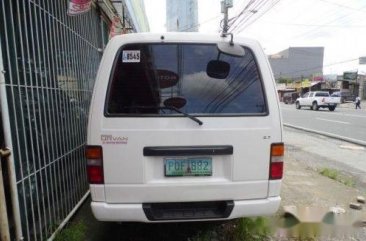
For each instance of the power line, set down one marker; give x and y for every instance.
(320, 25)
(329, 22)
(343, 6)
(249, 13)
(260, 15)
(241, 12)
(199, 24)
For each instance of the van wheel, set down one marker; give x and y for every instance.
(331, 108)
(298, 106)
(315, 106)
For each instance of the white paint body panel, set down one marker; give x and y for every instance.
(132, 179)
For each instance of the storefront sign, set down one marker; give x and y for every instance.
(79, 6)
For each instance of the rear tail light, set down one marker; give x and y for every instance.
(94, 166)
(276, 165)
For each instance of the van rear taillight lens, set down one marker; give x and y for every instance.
(276, 165)
(94, 165)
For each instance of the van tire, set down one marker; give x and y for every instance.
(331, 108)
(315, 106)
(298, 106)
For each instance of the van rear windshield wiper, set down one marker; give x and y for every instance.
(170, 108)
(181, 112)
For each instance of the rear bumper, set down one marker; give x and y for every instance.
(135, 213)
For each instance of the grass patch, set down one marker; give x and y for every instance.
(337, 176)
(250, 229)
(255, 229)
(72, 232)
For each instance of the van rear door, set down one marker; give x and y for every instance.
(153, 148)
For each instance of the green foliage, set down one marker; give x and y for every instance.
(244, 229)
(335, 175)
(254, 229)
(331, 173)
(284, 81)
(73, 232)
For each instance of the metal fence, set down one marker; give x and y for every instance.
(50, 61)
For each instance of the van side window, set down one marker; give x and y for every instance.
(148, 77)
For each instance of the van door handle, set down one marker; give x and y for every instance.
(188, 150)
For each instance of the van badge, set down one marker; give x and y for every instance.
(110, 139)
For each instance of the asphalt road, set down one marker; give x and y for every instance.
(345, 121)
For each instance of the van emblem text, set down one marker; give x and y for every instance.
(110, 139)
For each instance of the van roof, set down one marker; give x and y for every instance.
(176, 37)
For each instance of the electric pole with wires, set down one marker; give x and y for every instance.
(225, 5)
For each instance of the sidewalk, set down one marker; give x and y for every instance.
(351, 105)
(314, 194)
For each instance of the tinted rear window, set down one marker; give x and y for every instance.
(322, 94)
(147, 77)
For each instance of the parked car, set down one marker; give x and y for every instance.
(344, 96)
(290, 98)
(184, 127)
(316, 100)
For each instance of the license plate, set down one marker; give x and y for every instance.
(178, 167)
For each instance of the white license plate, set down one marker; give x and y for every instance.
(178, 167)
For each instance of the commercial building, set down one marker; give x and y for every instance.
(297, 63)
(182, 16)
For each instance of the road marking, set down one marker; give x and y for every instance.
(341, 122)
(325, 112)
(358, 116)
(352, 147)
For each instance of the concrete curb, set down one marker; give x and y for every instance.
(342, 138)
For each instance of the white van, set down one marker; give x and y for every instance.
(184, 127)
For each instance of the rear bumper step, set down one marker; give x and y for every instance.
(134, 212)
(188, 210)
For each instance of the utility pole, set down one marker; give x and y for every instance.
(225, 5)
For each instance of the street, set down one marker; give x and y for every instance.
(345, 121)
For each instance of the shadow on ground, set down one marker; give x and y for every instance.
(97, 231)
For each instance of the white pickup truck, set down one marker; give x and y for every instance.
(316, 100)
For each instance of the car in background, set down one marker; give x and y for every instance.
(345, 96)
(290, 98)
(316, 100)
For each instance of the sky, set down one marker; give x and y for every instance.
(337, 25)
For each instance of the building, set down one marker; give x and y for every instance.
(297, 63)
(182, 16)
(136, 10)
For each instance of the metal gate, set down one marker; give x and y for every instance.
(50, 61)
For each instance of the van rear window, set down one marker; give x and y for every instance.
(322, 94)
(194, 78)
